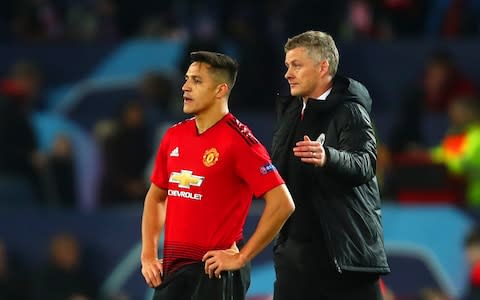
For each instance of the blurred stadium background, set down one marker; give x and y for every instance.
(87, 87)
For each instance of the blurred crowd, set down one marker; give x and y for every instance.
(433, 150)
(125, 140)
(65, 275)
(255, 31)
(435, 127)
(431, 154)
(111, 20)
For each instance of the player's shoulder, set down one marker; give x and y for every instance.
(177, 129)
(241, 130)
(182, 124)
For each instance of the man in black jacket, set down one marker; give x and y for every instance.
(324, 147)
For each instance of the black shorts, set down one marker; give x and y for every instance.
(191, 283)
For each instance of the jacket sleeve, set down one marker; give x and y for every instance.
(354, 159)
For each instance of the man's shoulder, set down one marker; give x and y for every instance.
(348, 91)
(176, 129)
(351, 112)
(182, 124)
(341, 82)
(240, 130)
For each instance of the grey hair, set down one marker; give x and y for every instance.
(320, 45)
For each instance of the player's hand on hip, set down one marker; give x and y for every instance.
(152, 271)
(310, 152)
(217, 261)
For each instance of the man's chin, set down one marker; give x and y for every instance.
(187, 110)
(294, 93)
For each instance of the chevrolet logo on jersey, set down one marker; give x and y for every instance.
(185, 179)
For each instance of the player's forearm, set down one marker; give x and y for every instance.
(152, 224)
(278, 207)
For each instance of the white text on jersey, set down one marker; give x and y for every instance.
(184, 194)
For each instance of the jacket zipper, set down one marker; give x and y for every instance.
(329, 247)
(337, 265)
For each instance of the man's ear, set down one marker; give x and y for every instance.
(324, 67)
(222, 90)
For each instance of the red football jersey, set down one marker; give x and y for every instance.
(210, 178)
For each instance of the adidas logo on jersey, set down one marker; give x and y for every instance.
(175, 152)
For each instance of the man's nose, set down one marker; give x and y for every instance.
(288, 74)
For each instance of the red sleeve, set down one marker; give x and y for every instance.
(160, 174)
(475, 275)
(255, 167)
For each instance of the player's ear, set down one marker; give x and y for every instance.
(222, 90)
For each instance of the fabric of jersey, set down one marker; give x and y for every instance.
(210, 179)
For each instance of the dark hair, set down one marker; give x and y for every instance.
(222, 64)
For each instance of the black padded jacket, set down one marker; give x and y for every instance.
(340, 202)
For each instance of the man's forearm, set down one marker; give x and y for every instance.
(278, 207)
(152, 223)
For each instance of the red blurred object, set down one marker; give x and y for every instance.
(419, 180)
(429, 196)
(383, 288)
(411, 158)
(12, 88)
(475, 275)
(398, 4)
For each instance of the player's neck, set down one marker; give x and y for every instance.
(208, 118)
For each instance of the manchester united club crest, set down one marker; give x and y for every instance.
(210, 157)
